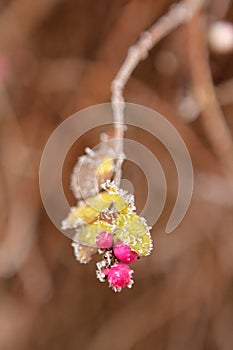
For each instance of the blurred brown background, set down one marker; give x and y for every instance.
(57, 57)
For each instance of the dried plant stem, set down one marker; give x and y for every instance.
(177, 15)
(212, 118)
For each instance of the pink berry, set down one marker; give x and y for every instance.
(104, 240)
(119, 276)
(105, 271)
(123, 253)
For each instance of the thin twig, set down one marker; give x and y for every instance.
(177, 15)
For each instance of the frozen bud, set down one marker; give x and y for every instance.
(220, 37)
(123, 253)
(104, 240)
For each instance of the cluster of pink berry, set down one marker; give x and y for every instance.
(114, 266)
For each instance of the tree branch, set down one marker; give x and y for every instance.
(177, 15)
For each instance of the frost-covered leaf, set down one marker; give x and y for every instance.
(82, 214)
(134, 232)
(93, 169)
(87, 234)
(105, 167)
(88, 211)
(105, 199)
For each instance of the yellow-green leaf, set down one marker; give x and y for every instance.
(89, 232)
(105, 199)
(105, 167)
(133, 231)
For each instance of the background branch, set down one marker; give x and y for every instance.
(212, 118)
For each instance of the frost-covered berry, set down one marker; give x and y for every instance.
(104, 240)
(119, 276)
(123, 253)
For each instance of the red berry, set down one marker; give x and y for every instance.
(119, 276)
(123, 253)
